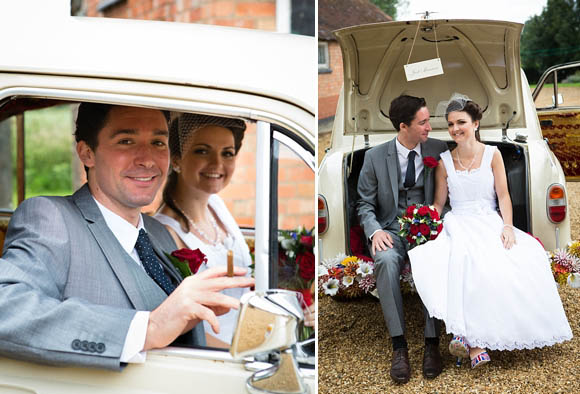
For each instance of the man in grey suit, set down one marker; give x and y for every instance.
(393, 177)
(84, 279)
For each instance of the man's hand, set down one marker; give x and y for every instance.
(381, 241)
(310, 315)
(197, 298)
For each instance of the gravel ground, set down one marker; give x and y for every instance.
(354, 354)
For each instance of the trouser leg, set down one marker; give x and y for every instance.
(388, 265)
(432, 325)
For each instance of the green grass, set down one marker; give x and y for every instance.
(48, 144)
(551, 85)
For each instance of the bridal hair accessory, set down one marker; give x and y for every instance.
(177, 169)
(456, 102)
(185, 125)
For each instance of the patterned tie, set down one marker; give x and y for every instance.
(410, 175)
(151, 263)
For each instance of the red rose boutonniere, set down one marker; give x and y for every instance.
(187, 261)
(430, 163)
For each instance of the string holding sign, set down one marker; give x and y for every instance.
(425, 68)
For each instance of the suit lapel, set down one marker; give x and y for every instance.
(114, 253)
(392, 169)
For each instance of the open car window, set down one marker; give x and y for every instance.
(557, 101)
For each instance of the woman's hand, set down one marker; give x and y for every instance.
(508, 237)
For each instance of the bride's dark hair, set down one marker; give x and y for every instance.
(475, 113)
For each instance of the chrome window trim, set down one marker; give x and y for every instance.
(160, 103)
(262, 218)
(304, 154)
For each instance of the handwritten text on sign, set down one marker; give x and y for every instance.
(424, 69)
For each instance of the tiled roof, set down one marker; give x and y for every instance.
(336, 14)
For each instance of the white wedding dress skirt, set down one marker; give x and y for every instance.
(496, 298)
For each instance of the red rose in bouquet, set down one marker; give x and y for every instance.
(424, 229)
(305, 265)
(419, 224)
(424, 211)
(307, 240)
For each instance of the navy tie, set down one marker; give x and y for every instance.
(151, 263)
(410, 175)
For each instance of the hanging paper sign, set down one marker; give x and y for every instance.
(424, 69)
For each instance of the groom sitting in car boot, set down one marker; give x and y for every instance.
(392, 178)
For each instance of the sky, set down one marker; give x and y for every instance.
(507, 10)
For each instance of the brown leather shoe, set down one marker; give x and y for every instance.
(432, 364)
(400, 368)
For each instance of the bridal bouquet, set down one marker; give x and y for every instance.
(419, 224)
(296, 261)
(346, 277)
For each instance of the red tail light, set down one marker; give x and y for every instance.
(322, 215)
(556, 203)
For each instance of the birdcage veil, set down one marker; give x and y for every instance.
(456, 102)
(184, 126)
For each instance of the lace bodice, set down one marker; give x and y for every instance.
(471, 192)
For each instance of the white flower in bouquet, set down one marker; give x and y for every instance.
(574, 280)
(364, 269)
(330, 262)
(322, 270)
(287, 243)
(331, 287)
(347, 281)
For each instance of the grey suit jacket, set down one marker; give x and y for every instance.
(378, 184)
(68, 291)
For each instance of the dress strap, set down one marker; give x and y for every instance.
(448, 163)
(488, 156)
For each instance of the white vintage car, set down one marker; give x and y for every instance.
(51, 62)
(480, 59)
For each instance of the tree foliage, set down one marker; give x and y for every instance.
(553, 37)
(389, 7)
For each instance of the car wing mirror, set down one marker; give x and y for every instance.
(270, 320)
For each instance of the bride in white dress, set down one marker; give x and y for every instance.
(203, 157)
(490, 282)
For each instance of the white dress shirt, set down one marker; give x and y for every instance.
(127, 234)
(403, 154)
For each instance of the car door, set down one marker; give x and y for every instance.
(36, 132)
(557, 101)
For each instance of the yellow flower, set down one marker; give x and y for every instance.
(349, 261)
(574, 248)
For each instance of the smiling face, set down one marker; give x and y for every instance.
(208, 160)
(461, 127)
(418, 131)
(130, 161)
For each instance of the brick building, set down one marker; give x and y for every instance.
(333, 15)
(286, 16)
(296, 182)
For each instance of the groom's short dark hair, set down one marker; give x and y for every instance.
(404, 108)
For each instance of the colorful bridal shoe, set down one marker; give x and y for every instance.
(480, 359)
(459, 348)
